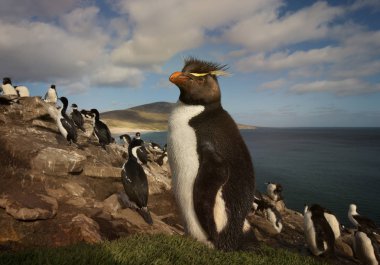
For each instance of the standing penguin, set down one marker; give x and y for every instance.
(77, 117)
(135, 184)
(65, 125)
(51, 95)
(319, 234)
(213, 177)
(101, 130)
(366, 247)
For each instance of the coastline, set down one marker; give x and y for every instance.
(129, 130)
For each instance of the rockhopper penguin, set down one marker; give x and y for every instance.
(321, 229)
(213, 177)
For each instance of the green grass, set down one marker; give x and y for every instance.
(148, 249)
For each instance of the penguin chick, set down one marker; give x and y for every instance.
(65, 124)
(101, 130)
(213, 178)
(77, 117)
(319, 235)
(135, 184)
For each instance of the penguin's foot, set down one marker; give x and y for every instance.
(145, 214)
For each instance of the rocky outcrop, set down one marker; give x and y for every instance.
(53, 194)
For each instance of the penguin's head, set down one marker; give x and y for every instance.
(352, 208)
(278, 188)
(52, 87)
(7, 80)
(74, 106)
(64, 101)
(316, 209)
(95, 112)
(198, 83)
(270, 187)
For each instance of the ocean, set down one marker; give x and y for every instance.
(333, 167)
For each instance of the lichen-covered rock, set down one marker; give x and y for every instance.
(89, 229)
(55, 161)
(157, 178)
(29, 207)
(102, 171)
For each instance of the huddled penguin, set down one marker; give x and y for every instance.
(87, 113)
(51, 95)
(359, 220)
(65, 125)
(321, 230)
(366, 247)
(270, 212)
(101, 130)
(77, 117)
(135, 184)
(163, 158)
(213, 177)
(274, 191)
(138, 139)
(22, 91)
(7, 88)
(154, 146)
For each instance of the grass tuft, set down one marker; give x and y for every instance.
(151, 249)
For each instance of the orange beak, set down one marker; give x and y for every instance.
(178, 78)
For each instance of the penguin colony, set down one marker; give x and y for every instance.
(133, 176)
(209, 163)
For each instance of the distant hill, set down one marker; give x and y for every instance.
(152, 116)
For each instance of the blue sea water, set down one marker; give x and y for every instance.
(329, 166)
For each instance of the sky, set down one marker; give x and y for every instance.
(291, 63)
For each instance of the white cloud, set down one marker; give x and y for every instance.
(339, 87)
(110, 75)
(79, 44)
(39, 51)
(273, 85)
(285, 60)
(265, 30)
(11, 10)
(165, 28)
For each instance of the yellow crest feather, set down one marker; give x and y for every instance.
(216, 73)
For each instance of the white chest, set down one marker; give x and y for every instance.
(310, 235)
(51, 95)
(184, 163)
(62, 130)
